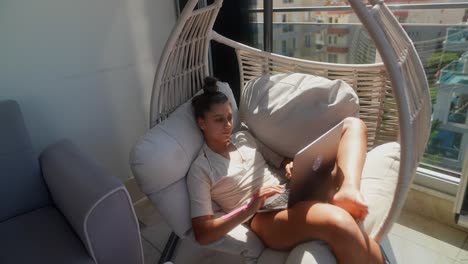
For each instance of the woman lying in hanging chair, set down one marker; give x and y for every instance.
(232, 170)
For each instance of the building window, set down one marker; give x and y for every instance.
(307, 41)
(294, 43)
(284, 47)
(286, 27)
(332, 39)
(333, 58)
(330, 20)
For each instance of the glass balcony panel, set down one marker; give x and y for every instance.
(441, 40)
(444, 149)
(458, 107)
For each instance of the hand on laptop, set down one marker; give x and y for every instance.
(288, 168)
(350, 199)
(264, 193)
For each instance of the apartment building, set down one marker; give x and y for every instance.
(338, 37)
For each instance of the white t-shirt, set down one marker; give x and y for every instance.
(213, 178)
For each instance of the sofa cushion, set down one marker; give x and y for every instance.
(40, 236)
(288, 111)
(22, 187)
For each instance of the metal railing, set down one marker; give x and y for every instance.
(268, 11)
(348, 8)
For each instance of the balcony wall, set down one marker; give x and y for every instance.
(84, 70)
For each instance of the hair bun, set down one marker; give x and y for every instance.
(210, 85)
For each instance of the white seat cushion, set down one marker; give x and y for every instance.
(313, 252)
(378, 183)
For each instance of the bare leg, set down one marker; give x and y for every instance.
(349, 164)
(311, 220)
(332, 223)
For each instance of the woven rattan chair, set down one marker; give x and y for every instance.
(394, 96)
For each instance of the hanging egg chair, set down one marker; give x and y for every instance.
(394, 103)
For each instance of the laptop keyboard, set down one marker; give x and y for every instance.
(281, 200)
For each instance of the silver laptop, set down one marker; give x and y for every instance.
(312, 163)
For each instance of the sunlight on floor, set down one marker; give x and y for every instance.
(415, 239)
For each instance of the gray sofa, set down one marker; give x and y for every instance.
(62, 207)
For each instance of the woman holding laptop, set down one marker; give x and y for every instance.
(232, 171)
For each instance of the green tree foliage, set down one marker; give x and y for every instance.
(441, 59)
(432, 155)
(434, 64)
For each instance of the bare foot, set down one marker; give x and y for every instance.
(351, 200)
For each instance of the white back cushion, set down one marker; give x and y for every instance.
(161, 158)
(288, 111)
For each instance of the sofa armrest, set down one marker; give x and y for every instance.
(95, 203)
